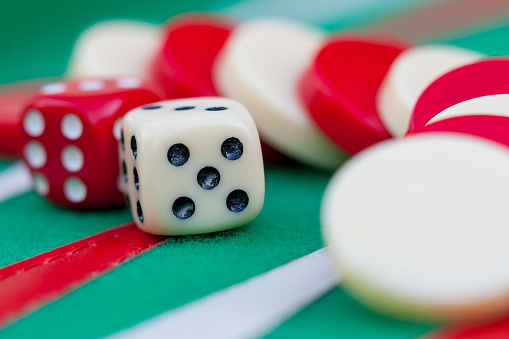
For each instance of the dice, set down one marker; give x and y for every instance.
(13, 99)
(69, 139)
(192, 166)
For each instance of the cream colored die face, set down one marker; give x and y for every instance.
(187, 122)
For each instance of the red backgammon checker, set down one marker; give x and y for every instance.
(340, 89)
(487, 126)
(479, 79)
(182, 67)
(486, 117)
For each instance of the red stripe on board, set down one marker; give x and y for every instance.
(32, 283)
(439, 18)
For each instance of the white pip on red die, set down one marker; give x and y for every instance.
(192, 166)
(70, 143)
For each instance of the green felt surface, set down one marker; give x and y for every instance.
(36, 37)
(4, 164)
(32, 226)
(336, 315)
(489, 38)
(181, 270)
(36, 40)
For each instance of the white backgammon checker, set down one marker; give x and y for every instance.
(418, 227)
(260, 66)
(114, 48)
(410, 74)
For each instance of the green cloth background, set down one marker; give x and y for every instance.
(36, 40)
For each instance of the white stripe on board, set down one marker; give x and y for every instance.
(320, 11)
(246, 310)
(14, 180)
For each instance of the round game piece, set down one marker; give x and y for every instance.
(409, 76)
(487, 105)
(183, 65)
(487, 117)
(260, 66)
(13, 100)
(114, 48)
(487, 77)
(417, 227)
(340, 87)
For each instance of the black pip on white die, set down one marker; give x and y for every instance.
(194, 166)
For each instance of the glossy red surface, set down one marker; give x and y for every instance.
(13, 100)
(183, 65)
(339, 89)
(494, 330)
(475, 80)
(486, 126)
(98, 111)
(29, 284)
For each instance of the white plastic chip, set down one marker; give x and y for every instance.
(419, 227)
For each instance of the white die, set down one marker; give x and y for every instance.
(192, 165)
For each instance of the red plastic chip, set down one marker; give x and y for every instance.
(183, 65)
(482, 78)
(340, 89)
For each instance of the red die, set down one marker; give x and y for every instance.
(70, 147)
(13, 99)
